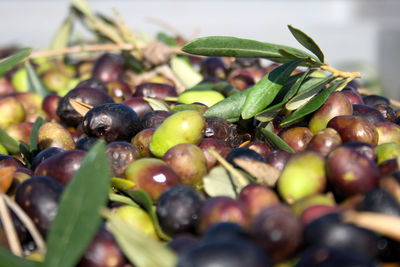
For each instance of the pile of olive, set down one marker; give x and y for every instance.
(345, 159)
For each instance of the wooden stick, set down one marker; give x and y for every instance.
(9, 228)
(37, 237)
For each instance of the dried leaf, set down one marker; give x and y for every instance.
(218, 182)
(263, 172)
(79, 106)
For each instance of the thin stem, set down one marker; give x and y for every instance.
(9, 228)
(339, 73)
(93, 48)
(37, 237)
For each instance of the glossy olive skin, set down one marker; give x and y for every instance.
(139, 105)
(297, 137)
(111, 121)
(387, 112)
(52, 134)
(277, 158)
(108, 67)
(87, 95)
(278, 231)
(142, 141)
(189, 162)
(354, 128)
(119, 91)
(380, 201)
(38, 197)
(221, 147)
(152, 175)
(154, 118)
(44, 154)
(103, 251)
(120, 155)
(50, 104)
(256, 197)
(224, 253)
(178, 210)
(61, 166)
(155, 90)
(324, 231)
(336, 104)
(93, 83)
(368, 112)
(350, 172)
(222, 209)
(324, 141)
(260, 147)
(373, 100)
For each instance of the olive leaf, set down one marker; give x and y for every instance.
(157, 104)
(140, 249)
(228, 108)
(304, 95)
(264, 91)
(11, 61)
(26, 154)
(185, 72)
(61, 38)
(8, 259)
(296, 86)
(8, 142)
(219, 182)
(34, 82)
(238, 47)
(315, 103)
(307, 42)
(82, 6)
(78, 217)
(270, 113)
(275, 141)
(166, 39)
(143, 199)
(34, 134)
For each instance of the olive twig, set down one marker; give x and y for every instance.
(93, 48)
(9, 228)
(339, 73)
(37, 237)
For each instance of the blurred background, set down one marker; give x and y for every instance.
(354, 35)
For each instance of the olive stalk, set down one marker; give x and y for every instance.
(9, 228)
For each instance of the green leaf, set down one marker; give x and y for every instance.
(264, 91)
(229, 108)
(8, 142)
(141, 250)
(296, 86)
(315, 103)
(307, 42)
(82, 6)
(26, 153)
(35, 84)
(219, 182)
(122, 199)
(270, 113)
(275, 141)
(61, 38)
(185, 72)
(34, 133)
(225, 46)
(305, 95)
(166, 39)
(11, 61)
(78, 217)
(7, 259)
(143, 199)
(157, 104)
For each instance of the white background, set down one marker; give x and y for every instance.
(349, 31)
